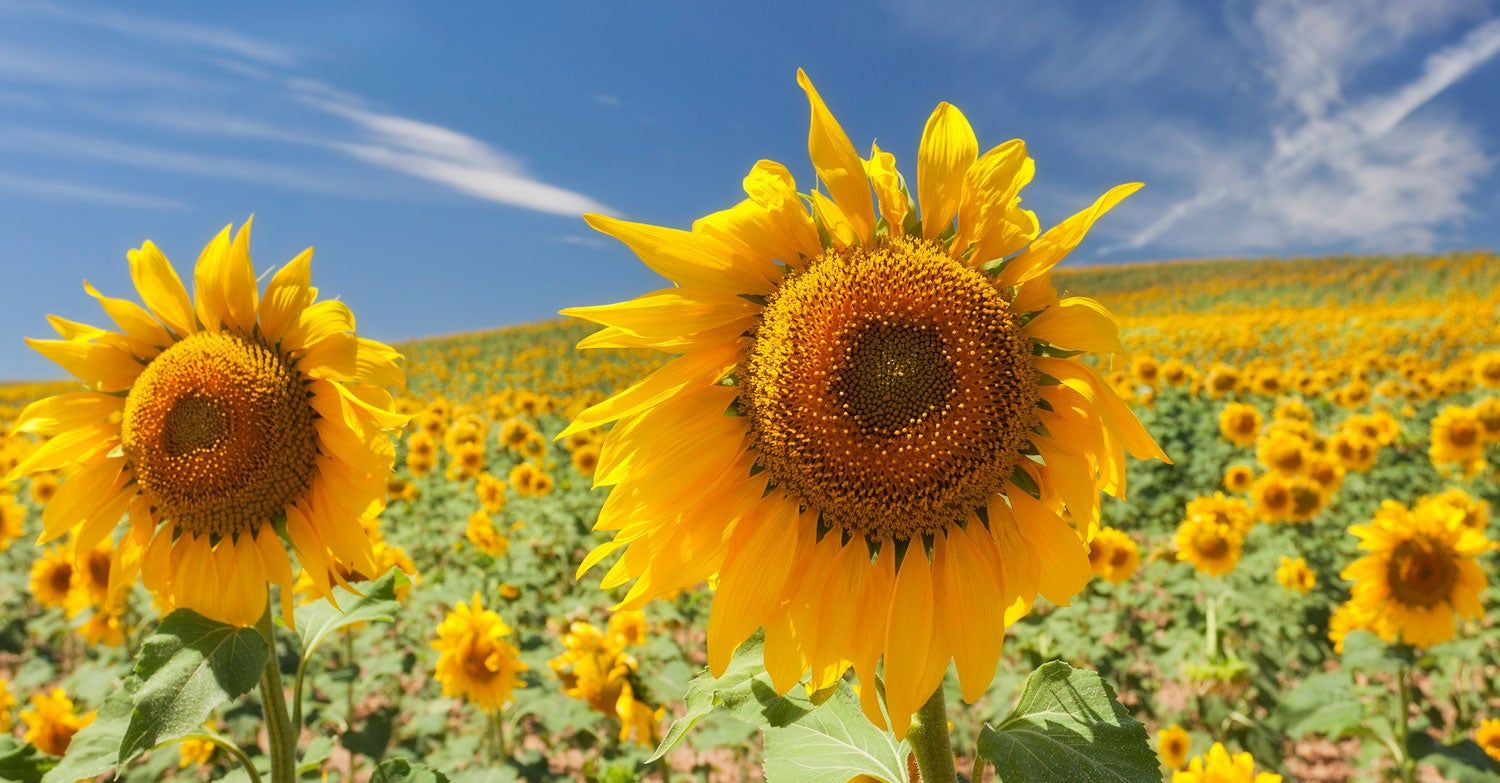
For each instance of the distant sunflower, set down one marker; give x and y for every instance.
(52, 577)
(1239, 423)
(1218, 766)
(52, 720)
(1222, 509)
(1457, 437)
(475, 659)
(1293, 574)
(1114, 555)
(1418, 573)
(1345, 619)
(1353, 450)
(910, 433)
(1283, 452)
(1173, 745)
(1487, 736)
(1238, 478)
(12, 521)
(210, 421)
(1212, 547)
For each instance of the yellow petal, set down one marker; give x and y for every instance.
(753, 577)
(132, 319)
(687, 258)
(703, 368)
(969, 574)
(66, 449)
(670, 313)
(161, 289)
(287, 295)
(837, 163)
(106, 368)
(1112, 409)
(890, 190)
(841, 232)
(51, 415)
(1061, 555)
(1077, 323)
(908, 638)
(81, 497)
(948, 150)
(1048, 249)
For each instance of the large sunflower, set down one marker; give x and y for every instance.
(1419, 571)
(879, 434)
(220, 424)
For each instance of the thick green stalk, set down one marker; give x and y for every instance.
(279, 729)
(930, 742)
(1403, 725)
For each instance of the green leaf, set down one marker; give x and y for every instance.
(95, 749)
(22, 763)
(832, 743)
(1463, 762)
(706, 692)
(187, 668)
(1365, 652)
(1325, 704)
(317, 752)
(403, 771)
(1069, 726)
(320, 618)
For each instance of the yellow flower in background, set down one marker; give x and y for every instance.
(1418, 573)
(1283, 452)
(194, 752)
(1488, 411)
(1293, 574)
(1353, 450)
(1292, 409)
(12, 521)
(491, 492)
(627, 628)
(52, 577)
(1487, 736)
(105, 626)
(1487, 369)
(1212, 547)
(593, 666)
(1114, 555)
(1272, 496)
(1345, 618)
(885, 370)
(475, 661)
(1218, 766)
(1145, 370)
(1239, 423)
(482, 534)
(1238, 478)
(1474, 512)
(1326, 472)
(7, 707)
(639, 723)
(1457, 437)
(1234, 513)
(586, 459)
(52, 720)
(1173, 745)
(206, 419)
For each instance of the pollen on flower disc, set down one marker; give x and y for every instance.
(889, 387)
(219, 431)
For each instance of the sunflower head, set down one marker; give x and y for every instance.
(1419, 573)
(1487, 736)
(476, 661)
(894, 399)
(215, 422)
(1218, 765)
(1239, 423)
(1293, 574)
(1173, 745)
(52, 720)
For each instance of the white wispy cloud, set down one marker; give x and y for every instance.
(1331, 168)
(45, 188)
(213, 39)
(443, 155)
(291, 108)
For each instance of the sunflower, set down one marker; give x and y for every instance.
(215, 423)
(52, 577)
(1487, 369)
(1457, 437)
(1353, 450)
(1222, 509)
(1238, 478)
(1475, 512)
(1113, 555)
(482, 534)
(1217, 766)
(1283, 452)
(1239, 423)
(1488, 411)
(12, 521)
(910, 437)
(194, 752)
(593, 666)
(1145, 370)
(52, 720)
(1293, 574)
(639, 722)
(1487, 736)
(586, 459)
(1173, 745)
(1212, 547)
(1272, 496)
(1326, 472)
(1419, 571)
(475, 661)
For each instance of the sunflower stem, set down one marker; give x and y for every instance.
(279, 730)
(1403, 725)
(930, 742)
(1211, 630)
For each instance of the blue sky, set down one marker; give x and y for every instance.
(438, 160)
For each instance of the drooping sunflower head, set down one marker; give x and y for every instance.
(896, 400)
(1419, 573)
(217, 422)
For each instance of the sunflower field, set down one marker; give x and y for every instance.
(796, 522)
